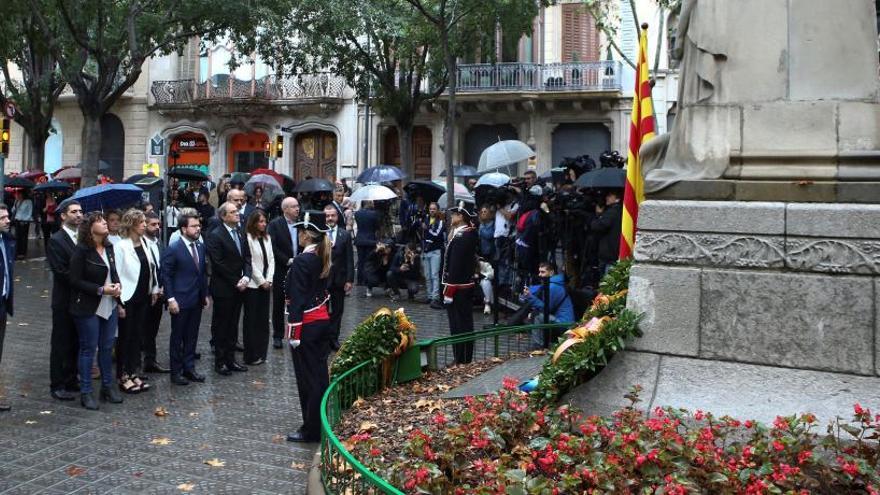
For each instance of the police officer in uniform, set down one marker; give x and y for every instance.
(459, 266)
(308, 329)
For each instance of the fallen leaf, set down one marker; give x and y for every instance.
(279, 439)
(215, 462)
(186, 487)
(496, 360)
(30, 422)
(804, 182)
(45, 412)
(44, 296)
(161, 412)
(138, 474)
(28, 286)
(74, 470)
(443, 387)
(161, 441)
(358, 403)
(204, 446)
(23, 324)
(368, 426)
(258, 384)
(193, 414)
(539, 352)
(298, 465)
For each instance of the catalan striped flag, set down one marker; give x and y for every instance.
(641, 131)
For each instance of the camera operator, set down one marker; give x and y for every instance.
(377, 265)
(607, 227)
(528, 228)
(404, 272)
(572, 212)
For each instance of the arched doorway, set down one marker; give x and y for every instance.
(113, 146)
(52, 150)
(575, 139)
(479, 137)
(247, 151)
(190, 149)
(421, 146)
(314, 155)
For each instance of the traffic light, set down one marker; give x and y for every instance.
(279, 146)
(5, 135)
(267, 149)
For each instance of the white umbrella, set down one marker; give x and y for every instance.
(504, 153)
(465, 196)
(458, 187)
(373, 192)
(493, 179)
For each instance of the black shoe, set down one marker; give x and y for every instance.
(179, 380)
(198, 355)
(194, 376)
(276, 343)
(88, 401)
(239, 348)
(334, 345)
(223, 370)
(255, 362)
(155, 368)
(62, 394)
(72, 388)
(5, 408)
(237, 367)
(436, 305)
(300, 437)
(111, 395)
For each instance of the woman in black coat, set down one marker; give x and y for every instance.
(95, 291)
(366, 222)
(308, 327)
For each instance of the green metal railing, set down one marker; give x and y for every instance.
(341, 473)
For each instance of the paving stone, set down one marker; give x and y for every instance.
(226, 417)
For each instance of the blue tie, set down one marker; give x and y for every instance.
(235, 238)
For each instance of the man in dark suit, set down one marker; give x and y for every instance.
(230, 274)
(154, 312)
(285, 245)
(64, 344)
(7, 250)
(341, 271)
(239, 199)
(338, 197)
(185, 280)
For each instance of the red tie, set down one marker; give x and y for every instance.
(192, 247)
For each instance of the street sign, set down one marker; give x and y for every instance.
(9, 110)
(157, 146)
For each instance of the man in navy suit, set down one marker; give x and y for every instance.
(7, 251)
(185, 279)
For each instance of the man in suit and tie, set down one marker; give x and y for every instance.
(230, 274)
(341, 271)
(64, 344)
(285, 245)
(154, 311)
(338, 197)
(7, 251)
(185, 280)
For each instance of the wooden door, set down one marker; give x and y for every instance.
(315, 155)
(421, 146)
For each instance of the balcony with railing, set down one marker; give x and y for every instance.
(225, 88)
(601, 76)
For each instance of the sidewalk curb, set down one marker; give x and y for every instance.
(314, 486)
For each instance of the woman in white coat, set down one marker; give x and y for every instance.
(139, 278)
(259, 290)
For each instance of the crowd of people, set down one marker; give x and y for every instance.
(285, 267)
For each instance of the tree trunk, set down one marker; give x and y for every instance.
(91, 149)
(449, 128)
(38, 151)
(404, 138)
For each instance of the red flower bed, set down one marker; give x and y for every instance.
(499, 444)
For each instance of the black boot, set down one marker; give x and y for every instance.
(111, 395)
(88, 401)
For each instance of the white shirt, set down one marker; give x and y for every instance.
(333, 233)
(108, 303)
(502, 227)
(71, 233)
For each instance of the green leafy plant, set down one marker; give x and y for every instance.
(501, 444)
(382, 334)
(584, 350)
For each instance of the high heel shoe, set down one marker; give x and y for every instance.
(128, 385)
(141, 385)
(111, 395)
(88, 401)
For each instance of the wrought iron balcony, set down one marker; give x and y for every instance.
(523, 77)
(223, 87)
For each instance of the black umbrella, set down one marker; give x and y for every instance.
(185, 173)
(426, 189)
(602, 178)
(462, 171)
(19, 182)
(53, 186)
(314, 185)
(136, 177)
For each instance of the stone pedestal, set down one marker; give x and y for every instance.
(753, 309)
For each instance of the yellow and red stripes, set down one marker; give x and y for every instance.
(641, 131)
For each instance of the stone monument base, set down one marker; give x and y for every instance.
(752, 309)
